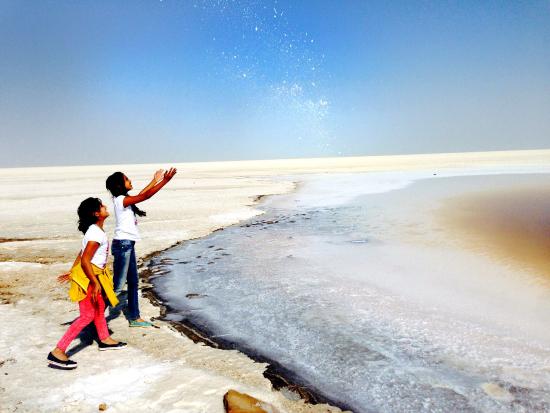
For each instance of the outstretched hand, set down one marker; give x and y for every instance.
(63, 278)
(159, 175)
(169, 174)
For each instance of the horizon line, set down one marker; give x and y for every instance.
(412, 155)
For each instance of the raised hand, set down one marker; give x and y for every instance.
(169, 174)
(159, 175)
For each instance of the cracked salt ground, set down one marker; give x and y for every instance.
(370, 316)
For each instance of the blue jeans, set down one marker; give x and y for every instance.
(125, 270)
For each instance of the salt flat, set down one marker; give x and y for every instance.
(161, 370)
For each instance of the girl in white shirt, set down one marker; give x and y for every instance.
(126, 235)
(92, 261)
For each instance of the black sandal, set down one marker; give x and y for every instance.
(117, 346)
(61, 364)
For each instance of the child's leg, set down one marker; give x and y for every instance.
(133, 281)
(87, 313)
(99, 319)
(121, 250)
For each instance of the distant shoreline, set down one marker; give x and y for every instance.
(311, 165)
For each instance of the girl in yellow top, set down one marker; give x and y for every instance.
(89, 278)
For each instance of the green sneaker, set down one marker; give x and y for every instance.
(135, 323)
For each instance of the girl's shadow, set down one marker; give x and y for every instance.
(87, 337)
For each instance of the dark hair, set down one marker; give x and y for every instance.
(86, 213)
(115, 185)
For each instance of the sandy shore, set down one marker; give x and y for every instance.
(162, 370)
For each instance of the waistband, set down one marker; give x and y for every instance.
(124, 241)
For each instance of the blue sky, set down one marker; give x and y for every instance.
(92, 82)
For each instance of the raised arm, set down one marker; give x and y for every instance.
(86, 262)
(146, 194)
(156, 179)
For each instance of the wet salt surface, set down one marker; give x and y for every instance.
(367, 304)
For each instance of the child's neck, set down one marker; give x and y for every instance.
(100, 222)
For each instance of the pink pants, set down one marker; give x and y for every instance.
(88, 313)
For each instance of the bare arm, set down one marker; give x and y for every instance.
(156, 179)
(76, 260)
(86, 261)
(65, 277)
(144, 195)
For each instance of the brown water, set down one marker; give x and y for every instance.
(511, 224)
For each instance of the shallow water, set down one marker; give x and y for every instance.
(514, 221)
(370, 302)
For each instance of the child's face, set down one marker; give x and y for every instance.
(127, 183)
(103, 213)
